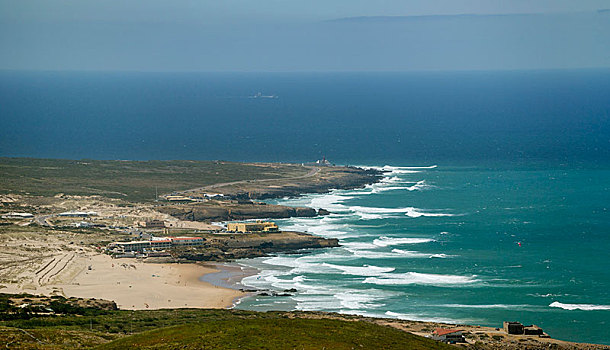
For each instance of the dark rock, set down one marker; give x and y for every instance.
(323, 212)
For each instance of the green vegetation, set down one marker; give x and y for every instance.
(275, 334)
(31, 307)
(129, 180)
(200, 328)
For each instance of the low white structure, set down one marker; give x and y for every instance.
(77, 213)
(17, 216)
(155, 244)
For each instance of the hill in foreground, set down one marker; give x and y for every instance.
(275, 334)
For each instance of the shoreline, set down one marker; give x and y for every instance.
(136, 285)
(229, 275)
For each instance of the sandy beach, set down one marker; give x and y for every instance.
(136, 285)
(133, 285)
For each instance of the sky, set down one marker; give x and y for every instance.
(314, 35)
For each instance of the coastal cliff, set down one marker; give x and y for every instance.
(228, 247)
(233, 210)
(318, 180)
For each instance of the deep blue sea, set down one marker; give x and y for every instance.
(495, 204)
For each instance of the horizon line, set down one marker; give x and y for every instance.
(304, 71)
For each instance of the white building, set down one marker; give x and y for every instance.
(17, 216)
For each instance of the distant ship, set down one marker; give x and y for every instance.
(260, 95)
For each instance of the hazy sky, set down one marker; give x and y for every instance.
(284, 35)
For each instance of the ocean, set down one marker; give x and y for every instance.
(494, 206)
(465, 245)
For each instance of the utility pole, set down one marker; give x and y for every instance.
(156, 194)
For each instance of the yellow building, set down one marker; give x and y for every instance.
(258, 226)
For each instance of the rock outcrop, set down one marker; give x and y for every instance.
(232, 210)
(239, 246)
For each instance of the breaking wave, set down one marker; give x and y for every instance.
(384, 241)
(412, 254)
(391, 185)
(420, 279)
(365, 270)
(381, 213)
(585, 307)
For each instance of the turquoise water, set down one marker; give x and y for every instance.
(457, 244)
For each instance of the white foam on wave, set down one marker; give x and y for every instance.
(412, 254)
(419, 185)
(331, 226)
(415, 213)
(370, 254)
(367, 251)
(353, 246)
(420, 279)
(585, 307)
(363, 299)
(365, 270)
(393, 183)
(381, 213)
(300, 265)
(343, 299)
(268, 278)
(385, 241)
(401, 169)
(392, 170)
(331, 202)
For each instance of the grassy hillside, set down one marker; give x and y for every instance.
(190, 328)
(129, 180)
(275, 334)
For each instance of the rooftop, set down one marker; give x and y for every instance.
(443, 331)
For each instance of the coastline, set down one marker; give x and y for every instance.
(229, 275)
(135, 285)
(60, 266)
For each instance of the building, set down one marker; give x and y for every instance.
(177, 198)
(451, 336)
(532, 330)
(77, 214)
(154, 224)
(513, 327)
(518, 328)
(319, 162)
(186, 241)
(258, 226)
(161, 244)
(17, 216)
(155, 244)
(134, 246)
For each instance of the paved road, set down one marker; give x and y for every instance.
(312, 172)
